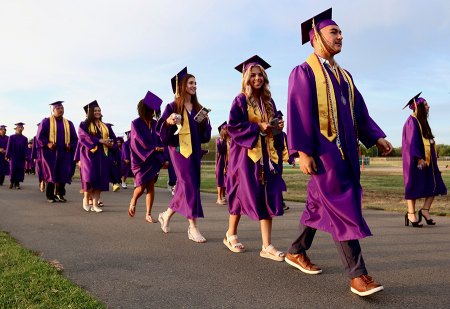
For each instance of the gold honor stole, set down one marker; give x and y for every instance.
(426, 143)
(184, 137)
(254, 115)
(53, 131)
(105, 135)
(285, 150)
(325, 102)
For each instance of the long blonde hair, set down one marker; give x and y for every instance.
(266, 95)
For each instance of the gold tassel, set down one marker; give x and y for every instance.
(243, 71)
(317, 37)
(177, 93)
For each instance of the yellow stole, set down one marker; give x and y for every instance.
(184, 136)
(105, 135)
(254, 115)
(285, 150)
(53, 131)
(327, 103)
(426, 143)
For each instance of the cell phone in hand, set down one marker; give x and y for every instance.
(274, 124)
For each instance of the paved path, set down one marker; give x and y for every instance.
(128, 263)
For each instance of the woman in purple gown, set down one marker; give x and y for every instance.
(254, 183)
(421, 174)
(222, 146)
(95, 140)
(147, 154)
(185, 152)
(4, 165)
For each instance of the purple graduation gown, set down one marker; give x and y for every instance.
(186, 200)
(35, 154)
(29, 163)
(16, 152)
(94, 167)
(419, 183)
(334, 193)
(221, 154)
(126, 155)
(56, 164)
(145, 161)
(245, 193)
(4, 165)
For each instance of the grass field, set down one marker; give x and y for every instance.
(382, 183)
(27, 281)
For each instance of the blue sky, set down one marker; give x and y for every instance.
(114, 51)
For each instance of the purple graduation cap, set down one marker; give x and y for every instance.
(242, 67)
(222, 126)
(56, 104)
(319, 21)
(415, 100)
(120, 138)
(152, 101)
(178, 77)
(279, 114)
(90, 105)
(19, 124)
(2, 126)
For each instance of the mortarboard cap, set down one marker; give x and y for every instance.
(177, 78)
(19, 124)
(152, 101)
(57, 103)
(120, 138)
(127, 133)
(242, 67)
(2, 126)
(221, 126)
(90, 105)
(279, 114)
(320, 21)
(412, 101)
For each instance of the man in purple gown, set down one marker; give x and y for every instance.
(327, 117)
(56, 141)
(16, 153)
(4, 166)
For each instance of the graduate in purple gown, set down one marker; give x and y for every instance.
(16, 153)
(183, 136)
(222, 148)
(126, 161)
(95, 142)
(29, 164)
(114, 174)
(56, 141)
(4, 165)
(421, 174)
(254, 183)
(117, 169)
(327, 117)
(35, 154)
(147, 154)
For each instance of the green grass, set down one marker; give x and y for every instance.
(27, 281)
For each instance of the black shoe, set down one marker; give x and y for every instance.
(60, 198)
(414, 224)
(428, 221)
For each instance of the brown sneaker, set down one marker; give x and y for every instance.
(302, 262)
(364, 285)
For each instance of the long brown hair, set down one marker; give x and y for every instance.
(145, 113)
(422, 117)
(90, 116)
(266, 95)
(179, 101)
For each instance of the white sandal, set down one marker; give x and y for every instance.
(196, 238)
(267, 253)
(164, 226)
(233, 247)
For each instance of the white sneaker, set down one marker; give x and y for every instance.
(124, 185)
(87, 207)
(173, 190)
(96, 209)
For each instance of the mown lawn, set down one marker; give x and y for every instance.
(27, 281)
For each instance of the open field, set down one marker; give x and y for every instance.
(382, 183)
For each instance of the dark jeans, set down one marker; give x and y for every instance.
(349, 251)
